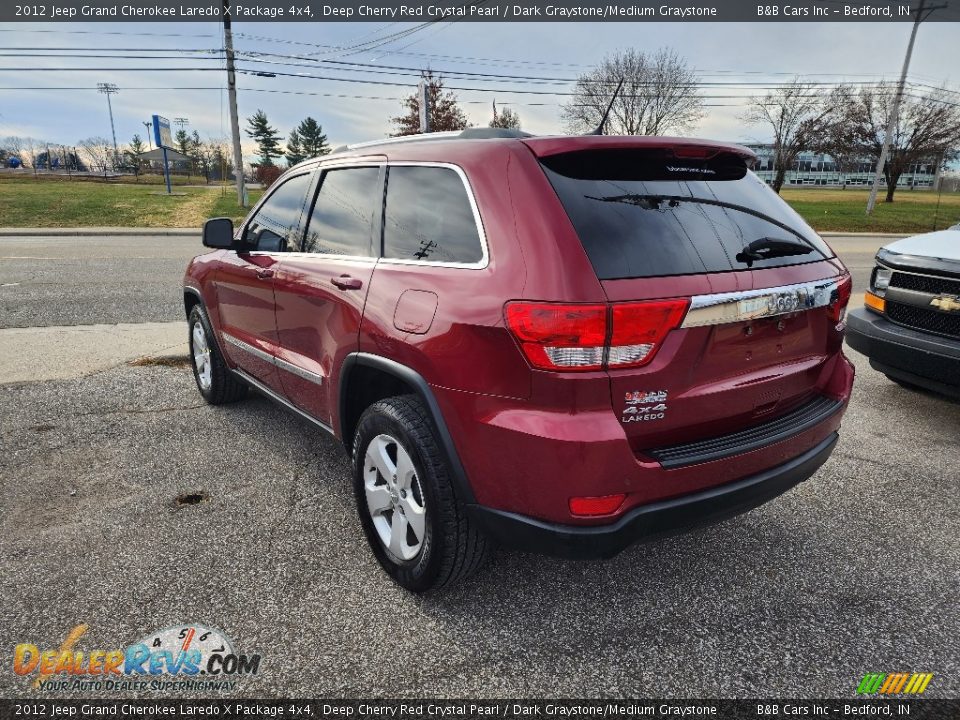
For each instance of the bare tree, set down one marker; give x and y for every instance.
(97, 151)
(841, 137)
(798, 115)
(13, 145)
(926, 131)
(659, 95)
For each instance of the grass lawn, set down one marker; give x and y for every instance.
(84, 204)
(226, 204)
(845, 210)
(35, 203)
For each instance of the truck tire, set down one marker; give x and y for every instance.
(215, 382)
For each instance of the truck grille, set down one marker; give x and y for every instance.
(925, 283)
(923, 319)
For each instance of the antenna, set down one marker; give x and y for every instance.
(599, 129)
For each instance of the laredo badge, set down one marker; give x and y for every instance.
(644, 406)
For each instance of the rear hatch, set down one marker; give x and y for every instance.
(763, 296)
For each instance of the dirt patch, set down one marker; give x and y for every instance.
(179, 361)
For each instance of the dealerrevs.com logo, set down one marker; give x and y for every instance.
(181, 657)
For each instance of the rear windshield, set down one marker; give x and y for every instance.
(646, 213)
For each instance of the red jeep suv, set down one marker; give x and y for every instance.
(558, 344)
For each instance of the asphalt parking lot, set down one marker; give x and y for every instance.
(855, 571)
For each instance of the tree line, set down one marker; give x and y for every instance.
(660, 95)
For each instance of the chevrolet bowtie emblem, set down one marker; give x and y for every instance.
(946, 303)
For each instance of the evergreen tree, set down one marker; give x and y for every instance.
(445, 113)
(505, 119)
(313, 141)
(182, 141)
(294, 149)
(266, 137)
(136, 145)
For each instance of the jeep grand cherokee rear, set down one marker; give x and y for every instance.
(560, 344)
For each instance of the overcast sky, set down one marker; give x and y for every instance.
(721, 52)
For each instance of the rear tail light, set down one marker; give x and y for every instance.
(603, 505)
(560, 337)
(589, 337)
(841, 296)
(639, 328)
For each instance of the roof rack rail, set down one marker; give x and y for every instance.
(468, 134)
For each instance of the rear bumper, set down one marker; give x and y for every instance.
(920, 358)
(667, 517)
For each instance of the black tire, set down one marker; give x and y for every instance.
(904, 384)
(224, 386)
(452, 548)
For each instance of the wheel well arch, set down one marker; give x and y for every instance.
(366, 379)
(190, 298)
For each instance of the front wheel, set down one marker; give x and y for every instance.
(407, 503)
(214, 380)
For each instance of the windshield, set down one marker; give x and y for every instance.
(640, 223)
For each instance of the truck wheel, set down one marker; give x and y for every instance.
(214, 380)
(408, 507)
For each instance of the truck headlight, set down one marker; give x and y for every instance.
(880, 280)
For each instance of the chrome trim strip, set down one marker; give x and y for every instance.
(246, 347)
(282, 401)
(274, 360)
(741, 305)
(298, 371)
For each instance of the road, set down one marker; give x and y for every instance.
(855, 571)
(85, 280)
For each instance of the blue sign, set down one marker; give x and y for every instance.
(161, 132)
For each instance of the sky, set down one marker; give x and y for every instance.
(351, 111)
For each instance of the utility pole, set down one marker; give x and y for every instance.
(109, 89)
(423, 91)
(232, 94)
(895, 110)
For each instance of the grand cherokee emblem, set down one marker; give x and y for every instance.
(946, 303)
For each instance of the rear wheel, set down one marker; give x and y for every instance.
(407, 503)
(214, 380)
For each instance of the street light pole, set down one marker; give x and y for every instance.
(149, 127)
(895, 110)
(232, 96)
(109, 89)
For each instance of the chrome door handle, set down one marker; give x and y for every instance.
(345, 282)
(264, 273)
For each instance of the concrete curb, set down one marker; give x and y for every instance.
(100, 232)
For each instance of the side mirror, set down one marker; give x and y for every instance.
(218, 233)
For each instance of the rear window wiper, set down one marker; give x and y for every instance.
(655, 202)
(769, 247)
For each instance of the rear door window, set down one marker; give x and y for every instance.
(644, 214)
(429, 217)
(341, 221)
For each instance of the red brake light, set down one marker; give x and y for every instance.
(603, 505)
(838, 304)
(639, 328)
(560, 337)
(575, 337)
(694, 151)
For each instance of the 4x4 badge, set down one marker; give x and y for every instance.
(947, 303)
